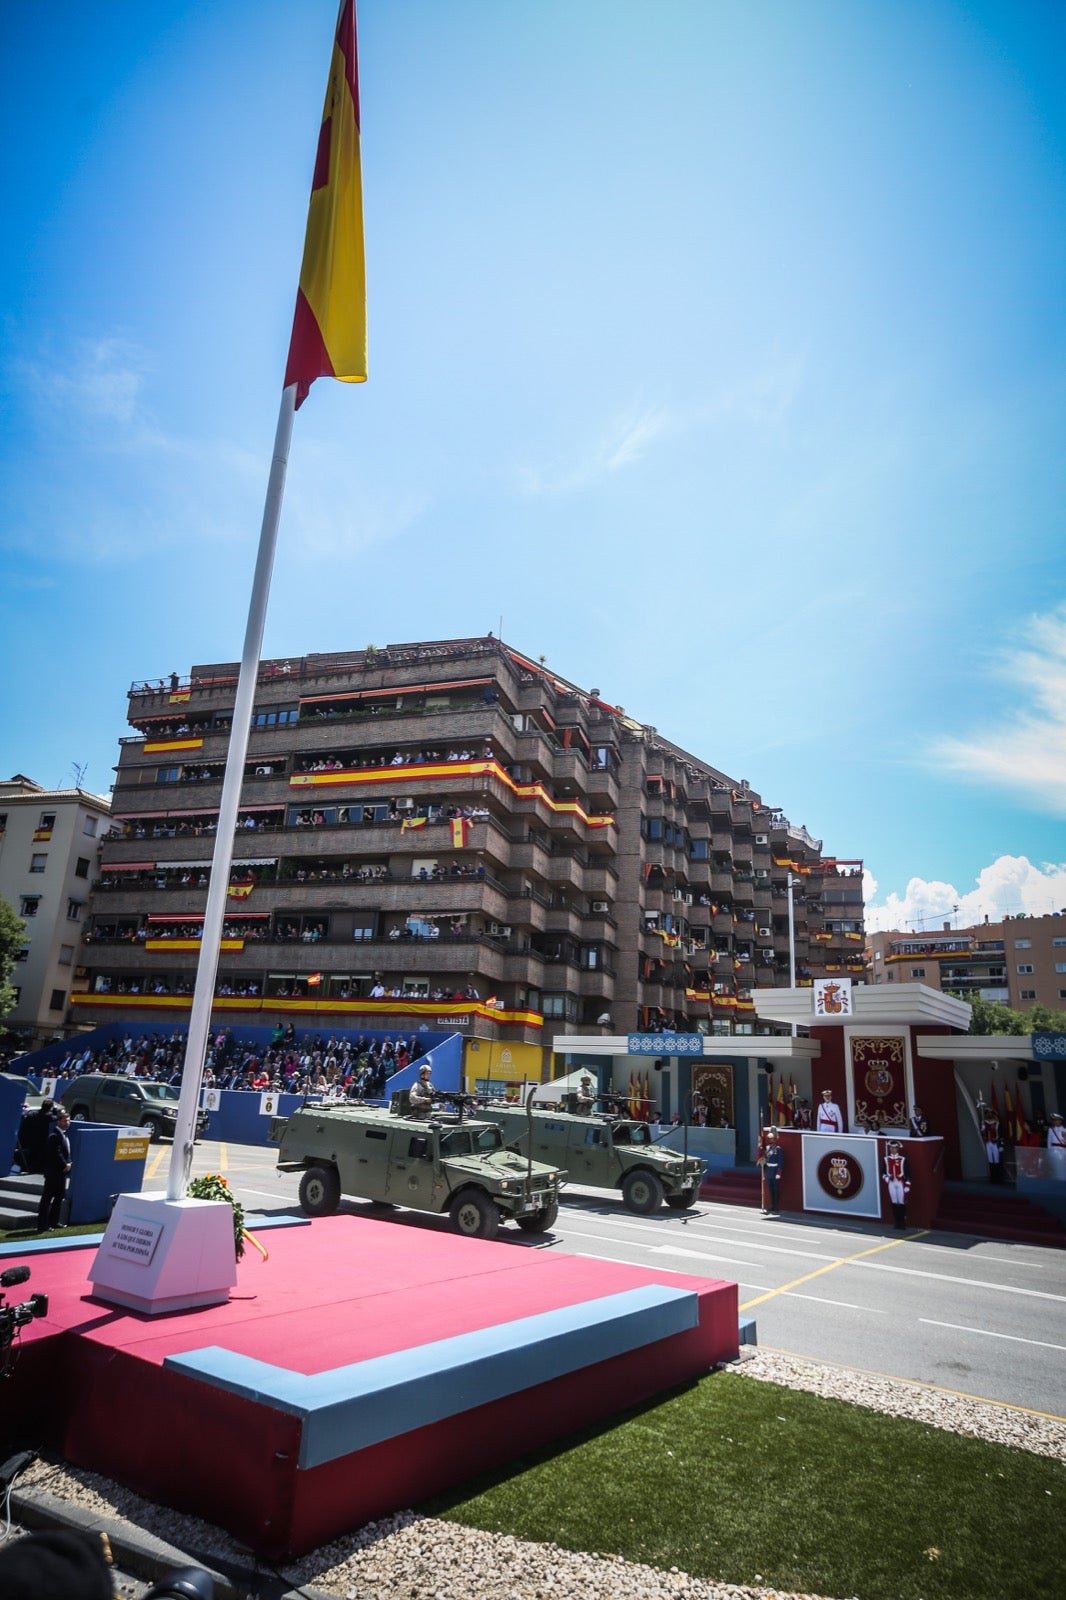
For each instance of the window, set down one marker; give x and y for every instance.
(58, 1000)
(66, 955)
(89, 827)
(39, 861)
(82, 868)
(1025, 966)
(28, 905)
(1028, 994)
(1060, 966)
(167, 774)
(275, 716)
(560, 1005)
(917, 972)
(1023, 944)
(74, 910)
(1059, 943)
(23, 954)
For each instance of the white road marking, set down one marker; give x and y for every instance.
(949, 1277)
(1015, 1338)
(869, 1311)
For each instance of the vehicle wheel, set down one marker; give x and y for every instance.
(152, 1127)
(682, 1201)
(540, 1221)
(320, 1191)
(79, 1114)
(642, 1192)
(474, 1214)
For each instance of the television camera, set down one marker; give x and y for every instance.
(12, 1318)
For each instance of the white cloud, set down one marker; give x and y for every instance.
(100, 380)
(1011, 885)
(622, 443)
(1027, 754)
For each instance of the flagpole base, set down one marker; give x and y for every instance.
(160, 1255)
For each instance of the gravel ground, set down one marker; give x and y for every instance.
(406, 1557)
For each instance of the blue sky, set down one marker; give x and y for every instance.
(716, 348)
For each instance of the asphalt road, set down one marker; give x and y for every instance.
(975, 1317)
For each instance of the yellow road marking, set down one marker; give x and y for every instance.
(890, 1244)
(155, 1162)
(916, 1383)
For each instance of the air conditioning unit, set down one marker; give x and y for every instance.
(765, 932)
(502, 930)
(601, 905)
(762, 838)
(405, 805)
(688, 899)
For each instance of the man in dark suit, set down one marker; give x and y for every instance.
(56, 1171)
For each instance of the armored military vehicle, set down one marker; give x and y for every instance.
(608, 1152)
(441, 1162)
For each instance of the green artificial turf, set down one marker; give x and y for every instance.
(748, 1482)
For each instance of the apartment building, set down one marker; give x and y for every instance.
(447, 832)
(49, 841)
(1020, 961)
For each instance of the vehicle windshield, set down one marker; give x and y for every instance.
(631, 1133)
(160, 1091)
(455, 1143)
(470, 1141)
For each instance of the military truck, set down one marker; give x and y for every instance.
(607, 1152)
(441, 1162)
(131, 1102)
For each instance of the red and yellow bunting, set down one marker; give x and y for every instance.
(445, 1012)
(432, 771)
(159, 747)
(229, 944)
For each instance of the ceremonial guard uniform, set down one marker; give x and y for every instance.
(772, 1161)
(898, 1177)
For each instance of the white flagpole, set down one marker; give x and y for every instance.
(221, 861)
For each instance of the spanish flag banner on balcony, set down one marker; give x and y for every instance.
(329, 326)
(460, 831)
(240, 891)
(41, 835)
(178, 697)
(413, 822)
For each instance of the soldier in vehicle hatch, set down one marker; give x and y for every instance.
(422, 1093)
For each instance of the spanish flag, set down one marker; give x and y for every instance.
(329, 326)
(460, 830)
(240, 891)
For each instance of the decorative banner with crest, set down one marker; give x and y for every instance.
(879, 1080)
(831, 998)
(841, 1175)
(714, 1086)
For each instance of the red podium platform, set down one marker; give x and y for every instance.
(841, 1175)
(363, 1367)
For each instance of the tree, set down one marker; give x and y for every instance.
(12, 934)
(992, 1016)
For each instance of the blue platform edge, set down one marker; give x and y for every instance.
(350, 1408)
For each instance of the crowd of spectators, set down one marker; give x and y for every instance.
(351, 1066)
